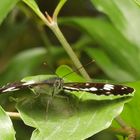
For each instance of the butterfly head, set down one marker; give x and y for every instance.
(56, 83)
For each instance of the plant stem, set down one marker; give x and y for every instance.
(54, 27)
(51, 22)
(69, 51)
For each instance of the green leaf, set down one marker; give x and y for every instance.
(137, 2)
(112, 42)
(5, 7)
(68, 74)
(131, 111)
(63, 121)
(6, 127)
(23, 64)
(124, 15)
(32, 4)
(107, 65)
(117, 34)
(68, 116)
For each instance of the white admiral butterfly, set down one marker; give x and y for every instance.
(57, 84)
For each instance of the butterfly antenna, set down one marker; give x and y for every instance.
(78, 68)
(50, 67)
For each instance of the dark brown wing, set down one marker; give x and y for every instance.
(30, 84)
(15, 86)
(99, 88)
(18, 86)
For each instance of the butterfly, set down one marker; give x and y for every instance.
(56, 84)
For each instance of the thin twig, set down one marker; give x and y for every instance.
(122, 132)
(70, 52)
(131, 131)
(57, 9)
(14, 115)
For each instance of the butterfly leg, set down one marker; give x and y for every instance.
(47, 108)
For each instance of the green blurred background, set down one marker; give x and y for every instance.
(104, 36)
(107, 32)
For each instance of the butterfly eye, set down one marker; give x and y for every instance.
(57, 83)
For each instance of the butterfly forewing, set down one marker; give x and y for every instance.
(99, 88)
(55, 84)
(21, 85)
